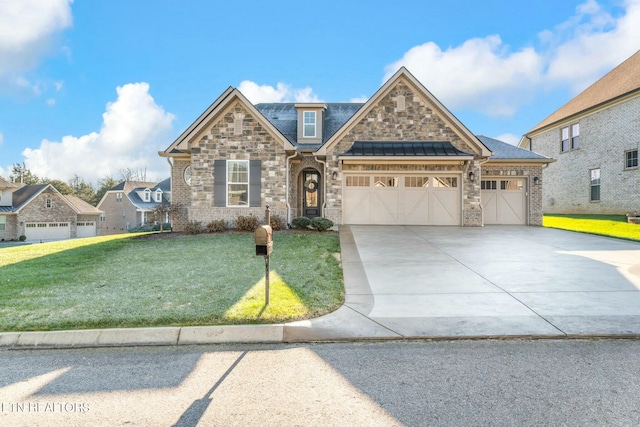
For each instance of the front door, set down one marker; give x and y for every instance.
(311, 193)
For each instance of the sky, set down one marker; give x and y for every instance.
(94, 88)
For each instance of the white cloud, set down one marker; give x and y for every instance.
(360, 99)
(1, 139)
(481, 74)
(509, 138)
(591, 43)
(134, 129)
(485, 75)
(27, 33)
(281, 93)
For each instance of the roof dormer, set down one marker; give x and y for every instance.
(310, 119)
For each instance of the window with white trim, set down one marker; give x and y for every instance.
(237, 182)
(158, 195)
(118, 197)
(147, 195)
(570, 138)
(595, 185)
(631, 159)
(48, 203)
(309, 124)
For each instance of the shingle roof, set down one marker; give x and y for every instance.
(81, 206)
(404, 148)
(284, 117)
(502, 150)
(6, 184)
(24, 194)
(622, 80)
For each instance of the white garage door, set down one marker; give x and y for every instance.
(504, 201)
(86, 229)
(47, 230)
(401, 199)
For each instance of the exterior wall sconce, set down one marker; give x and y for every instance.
(536, 180)
(472, 176)
(334, 175)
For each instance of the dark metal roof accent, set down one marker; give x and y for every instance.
(404, 149)
(502, 150)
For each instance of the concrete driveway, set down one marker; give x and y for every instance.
(494, 281)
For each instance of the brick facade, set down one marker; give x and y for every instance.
(605, 135)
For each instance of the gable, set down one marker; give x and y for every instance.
(404, 110)
(622, 81)
(219, 112)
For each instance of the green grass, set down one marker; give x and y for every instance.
(129, 281)
(604, 225)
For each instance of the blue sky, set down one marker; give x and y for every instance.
(92, 88)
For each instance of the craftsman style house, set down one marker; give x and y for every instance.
(40, 212)
(595, 138)
(131, 204)
(399, 158)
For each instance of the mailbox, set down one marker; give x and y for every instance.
(263, 237)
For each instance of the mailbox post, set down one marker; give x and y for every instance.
(263, 238)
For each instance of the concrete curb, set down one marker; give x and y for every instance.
(143, 336)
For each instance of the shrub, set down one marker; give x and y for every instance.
(216, 226)
(277, 222)
(300, 222)
(247, 223)
(321, 224)
(22, 238)
(144, 229)
(193, 227)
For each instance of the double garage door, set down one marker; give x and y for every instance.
(401, 199)
(428, 200)
(47, 230)
(58, 230)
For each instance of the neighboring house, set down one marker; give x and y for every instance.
(399, 158)
(595, 138)
(131, 204)
(40, 212)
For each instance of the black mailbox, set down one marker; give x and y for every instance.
(263, 237)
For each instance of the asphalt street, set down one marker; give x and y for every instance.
(368, 383)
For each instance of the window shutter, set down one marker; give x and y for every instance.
(220, 183)
(255, 175)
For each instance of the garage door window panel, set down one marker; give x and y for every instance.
(385, 181)
(446, 182)
(358, 181)
(416, 181)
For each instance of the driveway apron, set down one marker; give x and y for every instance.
(493, 281)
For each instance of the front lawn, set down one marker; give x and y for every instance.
(144, 280)
(604, 225)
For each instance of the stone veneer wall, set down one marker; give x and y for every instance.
(220, 142)
(535, 190)
(180, 194)
(37, 211)
(604, 137)
(417, 122)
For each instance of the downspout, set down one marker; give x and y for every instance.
(287, 161)
(480, 163)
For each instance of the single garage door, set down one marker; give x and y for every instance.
(401, 199)
(86, 229)
(47, 230)
(504, 201)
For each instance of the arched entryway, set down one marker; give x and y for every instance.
(311, 193)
